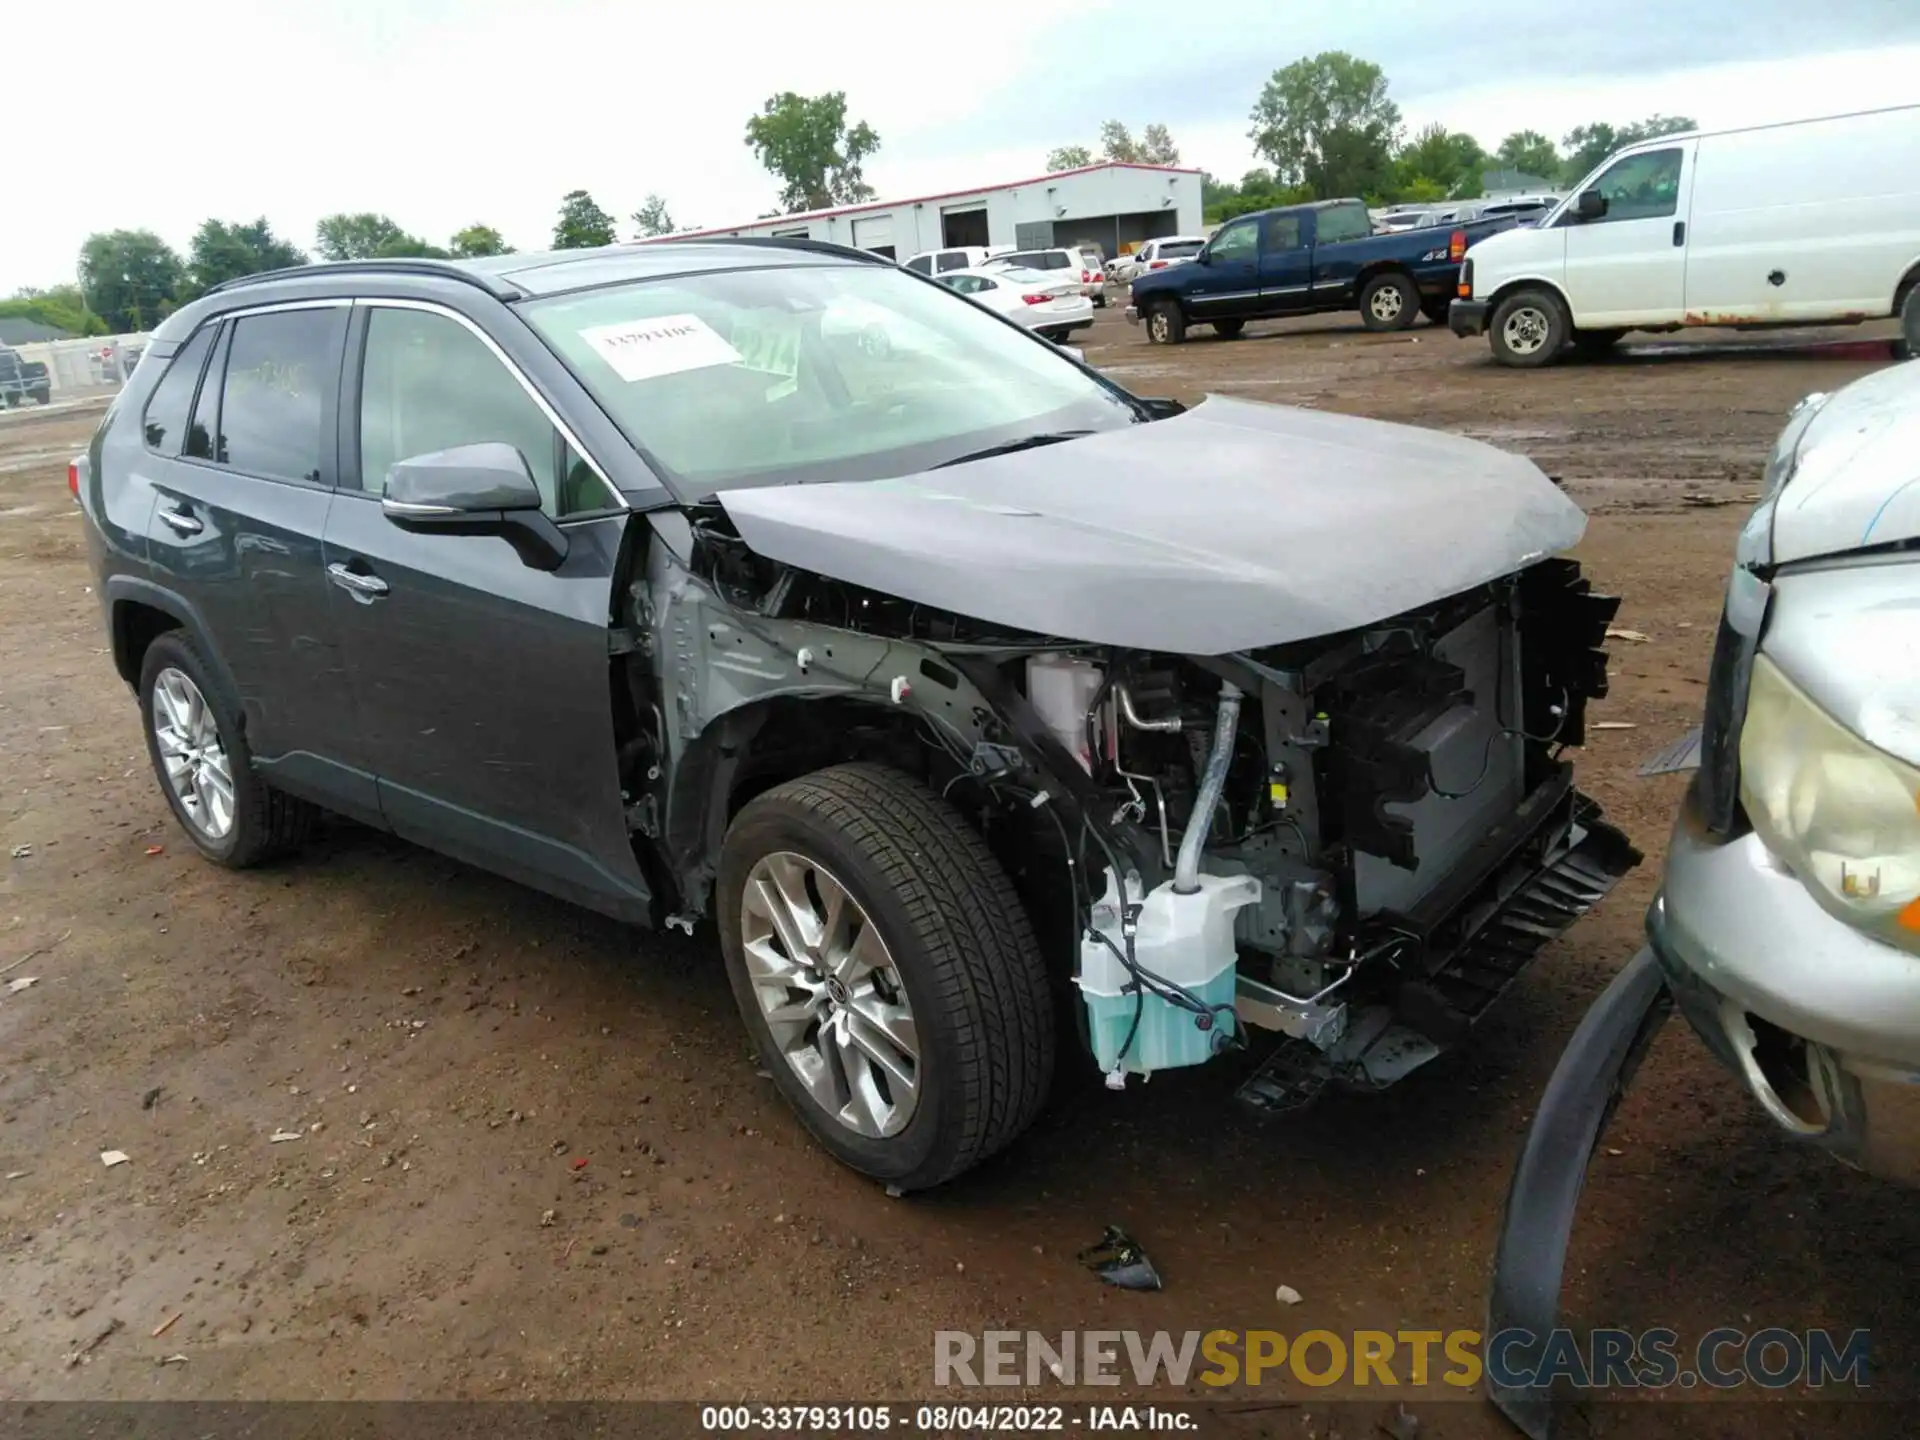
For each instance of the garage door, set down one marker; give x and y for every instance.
(873, 233)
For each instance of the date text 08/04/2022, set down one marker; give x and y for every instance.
(944, 1419)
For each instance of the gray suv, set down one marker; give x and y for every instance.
(984, 706)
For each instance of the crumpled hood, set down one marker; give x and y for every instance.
(1858, 479)
(1232, 526)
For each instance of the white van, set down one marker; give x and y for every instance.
(1811, 223)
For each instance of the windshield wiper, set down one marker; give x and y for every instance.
(1009, 447)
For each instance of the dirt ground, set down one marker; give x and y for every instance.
(534, 1155)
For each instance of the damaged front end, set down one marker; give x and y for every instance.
(1354, 840)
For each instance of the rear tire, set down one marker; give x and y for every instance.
(924, 907)
(1166, 324)
(1390, 301)
(1910, 323)
(249, 823)
(1229, 329)
(1529, 329)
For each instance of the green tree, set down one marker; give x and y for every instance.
(129, 278)
(582, 224)
(1439, 164)
(805, 143)
(477, 240)
(1588, 145)
(1069, 157)
(1531, 153)
(1157, 147)
(1325, 123)
(652, 218)
(223, 251)
(362, 236)
(61, 306)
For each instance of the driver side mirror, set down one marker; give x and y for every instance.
(483, 489)
(1590, 205)
(1205, 257)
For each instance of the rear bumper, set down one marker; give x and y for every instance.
(1468, 317)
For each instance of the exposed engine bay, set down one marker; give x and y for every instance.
(1354, 841)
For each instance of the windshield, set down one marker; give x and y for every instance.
(813, 372)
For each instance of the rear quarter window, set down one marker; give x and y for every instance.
(164, 425)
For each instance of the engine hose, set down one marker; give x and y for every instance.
(1186, 870)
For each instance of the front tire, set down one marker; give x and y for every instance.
(1529, 329)
(1390, 301)
(1166, 325)
(205, 769)
(1910, 323)
(887, 972)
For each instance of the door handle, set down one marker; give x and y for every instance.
(364, 588)
(181, 521)
(1679, 232)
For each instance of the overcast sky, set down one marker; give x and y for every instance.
(442, 113)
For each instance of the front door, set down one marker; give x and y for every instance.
(1286, 263)
(1629, 266)
(1225, 279)
(241, 495)
(485, 685)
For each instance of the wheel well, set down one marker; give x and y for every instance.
(136, 625)
(1907, 282)
(1372, 272)
(1513, 287)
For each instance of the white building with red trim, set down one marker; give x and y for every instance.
(1114, 206)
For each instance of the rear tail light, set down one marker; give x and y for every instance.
(1158, 265)
(1457, 245)
(1086, 277)
(1035, 299)
(73, 478)
(1465, 288)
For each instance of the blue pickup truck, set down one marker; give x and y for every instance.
(1305, 259)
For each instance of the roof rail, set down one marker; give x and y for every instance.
(497, 285)
(781, 242)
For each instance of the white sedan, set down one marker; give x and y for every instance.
(1050, 307)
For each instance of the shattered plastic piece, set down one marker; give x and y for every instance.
(547, 1217)
(280, 1137)
(21, 852)
(579, 1162)
(174, 1360)
(25, 982)
(18, 1174)
(111, 1158)
(1287, 1295)
(1614, 634)
(156, 849)
(1614, 725)
(1119, 1260)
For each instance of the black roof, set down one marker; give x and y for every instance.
(550, 272)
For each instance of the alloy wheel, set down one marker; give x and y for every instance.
(830, 994)
(1159, 326)
(191, 753)
(1387, 303)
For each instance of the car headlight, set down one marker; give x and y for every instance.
(1844, 816)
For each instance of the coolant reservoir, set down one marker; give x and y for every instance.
(1186, 940)
(1061, 691)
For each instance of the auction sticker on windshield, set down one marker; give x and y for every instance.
(664, 345)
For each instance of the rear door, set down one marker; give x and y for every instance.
(1286, 261)
(1223, 282)
(485, 685)
(240, 504)
(1629, 266)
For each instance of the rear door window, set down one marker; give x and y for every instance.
(1342, 222)
(952, 260)
(921, 264)
(165, 423)
(277, 392)
(1282, 233)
